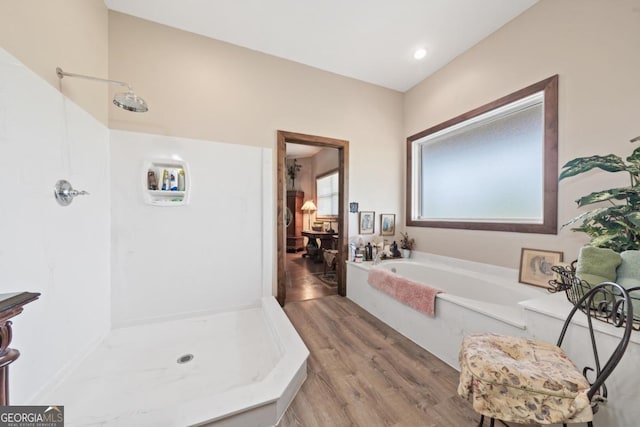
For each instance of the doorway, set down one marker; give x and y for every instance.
(342, 146)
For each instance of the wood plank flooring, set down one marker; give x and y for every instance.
(363, 373)
(360, 371)
(301, 282)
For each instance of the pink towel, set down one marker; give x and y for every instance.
(409, 292)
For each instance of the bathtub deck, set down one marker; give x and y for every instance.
(363, 373)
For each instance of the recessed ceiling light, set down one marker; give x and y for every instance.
(420, 53)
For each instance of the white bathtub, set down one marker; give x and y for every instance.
(247, 366)
(484, 298)
(476, 298)
(488, 293)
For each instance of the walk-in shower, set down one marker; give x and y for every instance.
(126, 100)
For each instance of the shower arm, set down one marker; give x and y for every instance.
(62, 74)
(128, 101)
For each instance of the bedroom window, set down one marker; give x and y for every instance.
(327, 193)
(493, 168)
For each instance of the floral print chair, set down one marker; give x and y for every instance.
(531, 381)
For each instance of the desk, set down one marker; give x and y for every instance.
(326, 242)
(326, 238)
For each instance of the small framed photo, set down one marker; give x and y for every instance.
(387, 224)
(366, 222)
(535, 266)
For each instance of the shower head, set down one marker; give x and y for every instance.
(128, 101)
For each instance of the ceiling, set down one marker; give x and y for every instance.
(368, 40)
(301, 151)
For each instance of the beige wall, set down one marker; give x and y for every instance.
(71, 34)
(594, 46)
(202, 88)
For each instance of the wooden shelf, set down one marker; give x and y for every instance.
(295, 241)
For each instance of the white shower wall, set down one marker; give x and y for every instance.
(213, 254)
(108, 259)
(61, 252)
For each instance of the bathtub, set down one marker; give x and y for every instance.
(476, 298)
(493, 295)
(481, 298)
(227, 369)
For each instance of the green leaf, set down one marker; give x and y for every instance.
(602, 241)
(634, 218)
(635, 156)
(617, 225)
(622, 193)
(609, 163)
(585, 217)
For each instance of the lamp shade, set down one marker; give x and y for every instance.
(308, 206)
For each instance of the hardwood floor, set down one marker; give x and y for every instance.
(302, 280)
(363, 373)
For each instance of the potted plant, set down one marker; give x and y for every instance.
(617, 224)
(613, 228)
(292, 171)
(406, 244)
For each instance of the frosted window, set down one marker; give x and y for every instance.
(492, 168)
(327, 193)
(461, 170)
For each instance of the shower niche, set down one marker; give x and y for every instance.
(166, 182)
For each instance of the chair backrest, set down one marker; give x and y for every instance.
(610, 302)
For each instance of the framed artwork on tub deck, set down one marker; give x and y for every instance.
(387, 224)
(535, 266)
(366, 222)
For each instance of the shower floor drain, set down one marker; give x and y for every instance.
(185, 358)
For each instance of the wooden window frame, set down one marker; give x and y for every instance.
(549, 224)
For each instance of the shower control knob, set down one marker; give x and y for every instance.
(65, 193)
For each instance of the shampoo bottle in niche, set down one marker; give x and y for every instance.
(165, 180)
(152, 180)
(173, 182)
(181, 184)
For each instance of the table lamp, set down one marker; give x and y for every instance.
(307, 208)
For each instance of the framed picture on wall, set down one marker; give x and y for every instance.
(535, 266)
(387, 224)
(366, 222)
